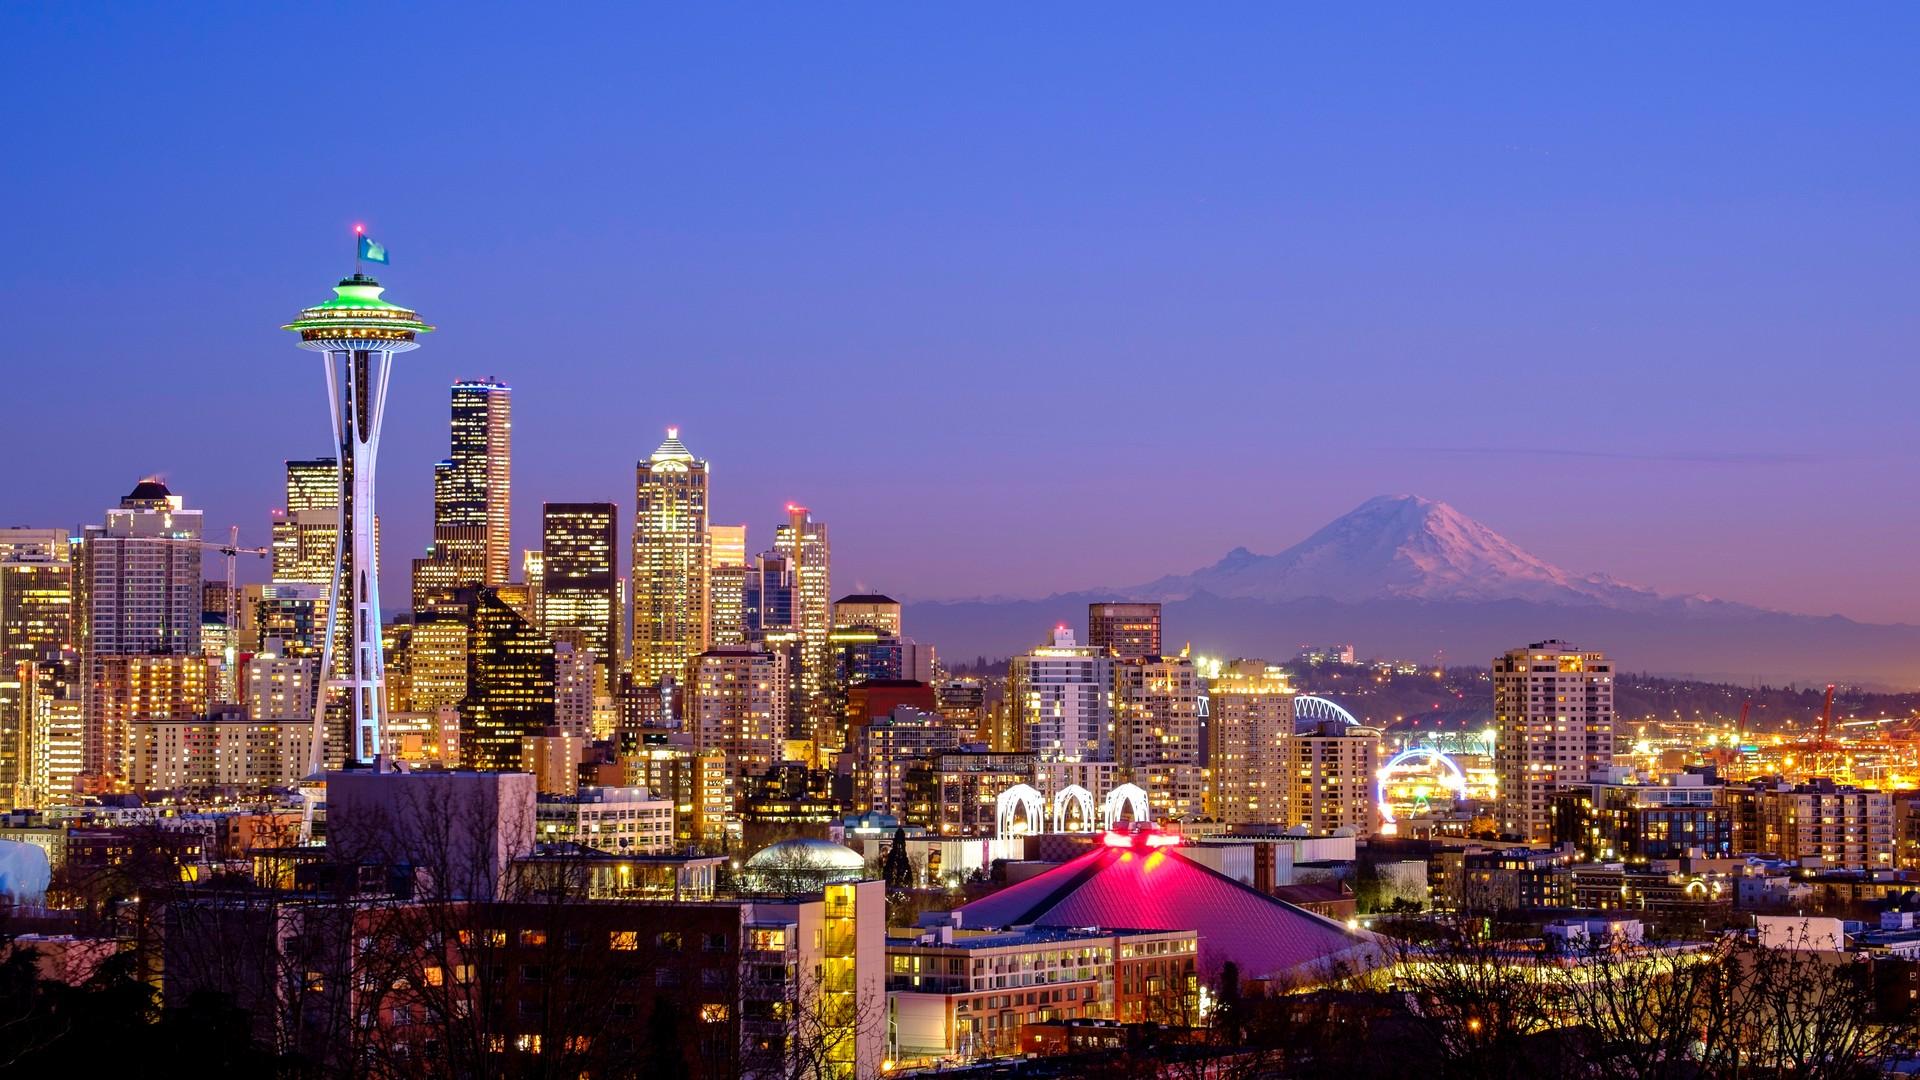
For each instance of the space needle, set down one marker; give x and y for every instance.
(357, 334)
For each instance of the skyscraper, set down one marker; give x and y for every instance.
(307, 532)
(455, 560)
(141, 577)
(473, 488)
(1247, 734)
(867, 609)
(51, 699)
(36, 616)
(1156, 731)
(1128, 631)
(1553, 715)
(669, 562)
(510, 683)
(803, 541)
(727, 572)
(358, 334)
(768, 598)
(1061, 697)
(573, 685)
(579, 576)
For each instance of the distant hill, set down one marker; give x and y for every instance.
(1410, 577)
(1461, 699)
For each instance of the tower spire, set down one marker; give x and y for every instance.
(357, 334)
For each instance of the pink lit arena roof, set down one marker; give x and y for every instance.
(1144, 883)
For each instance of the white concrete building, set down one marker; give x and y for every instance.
(622, 820)
(1061, 696)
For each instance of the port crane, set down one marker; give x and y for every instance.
(1826, 726)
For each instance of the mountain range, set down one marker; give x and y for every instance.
(1408, 577)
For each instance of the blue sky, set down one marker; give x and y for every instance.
(1019, 299)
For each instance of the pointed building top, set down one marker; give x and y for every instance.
(673, 449)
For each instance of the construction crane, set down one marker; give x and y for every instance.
(232, 550)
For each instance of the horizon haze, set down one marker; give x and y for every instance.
(1024, 306)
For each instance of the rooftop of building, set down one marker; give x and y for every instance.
(586, 853)
(805, 852)
(1013, 938)
(357, 303)
(597, 794)
(150, 488)
(866, 598)
(1144, 881)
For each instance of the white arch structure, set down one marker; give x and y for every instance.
(1065, 800)
(1120, 799)
(1311, 710)
(1451, 776)
(1020, 798)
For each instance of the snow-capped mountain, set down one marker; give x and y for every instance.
(1405, 576)
(1400, 547)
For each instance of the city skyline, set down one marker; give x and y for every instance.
(1077, 540)
(1331, 265)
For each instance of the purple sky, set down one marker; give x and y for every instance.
(1018, 300)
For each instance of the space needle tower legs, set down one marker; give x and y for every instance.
(357, 334)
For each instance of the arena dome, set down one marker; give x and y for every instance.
(808, 855)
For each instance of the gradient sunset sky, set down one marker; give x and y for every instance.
(1018, 299)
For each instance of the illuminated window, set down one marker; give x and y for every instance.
(624, 940)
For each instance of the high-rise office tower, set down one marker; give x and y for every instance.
(437, 660)
(36, 615)
(358, 334)
(803, 541)
(768, 598)
(579, 576)
(1128, 631)
(1156, 731)
(1061, 697)
(737, 706)
(306, 539)
(1247, 733)
(533, 571)
(1330, 772)
(473, 488)
(455, 560)
(727, 572)
(140, 574)
(574, 680)
(509, 683)
(50, 687)
(306, 533)
(871, 610)
(669, 562)
(1553, 719)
